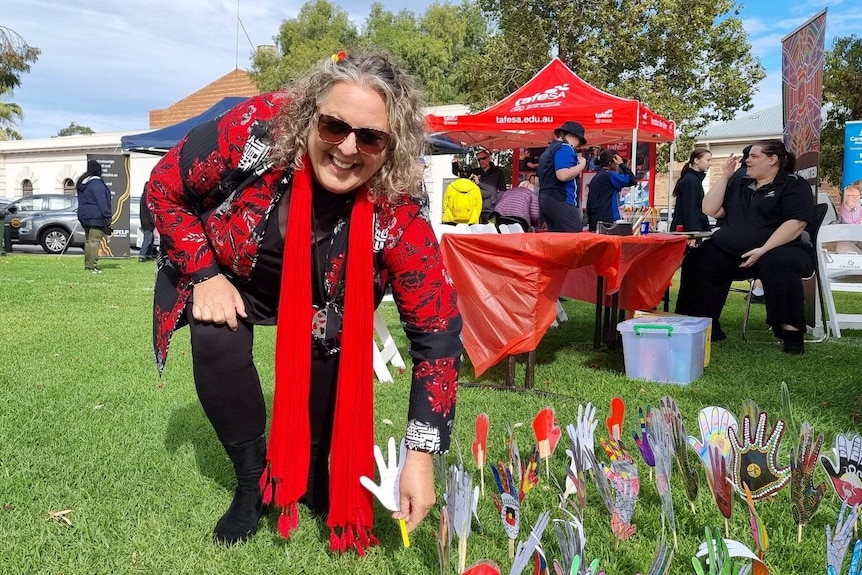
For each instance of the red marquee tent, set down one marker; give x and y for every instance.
(554, 95)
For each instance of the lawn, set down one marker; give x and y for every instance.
(88, 428)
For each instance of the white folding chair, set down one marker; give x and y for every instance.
(441, 229)
(483, 229)
(839, 272)
(387, 353)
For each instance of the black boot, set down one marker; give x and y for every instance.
(240, 521)
(793, 341)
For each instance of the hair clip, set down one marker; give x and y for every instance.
(339, 56)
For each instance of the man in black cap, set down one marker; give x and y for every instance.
(559, 166)
(490, 179)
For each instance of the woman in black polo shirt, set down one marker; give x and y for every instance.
(764, 212)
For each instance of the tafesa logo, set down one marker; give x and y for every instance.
(555, 93)
(605, 117)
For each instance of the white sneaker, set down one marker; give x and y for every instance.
(96, 270)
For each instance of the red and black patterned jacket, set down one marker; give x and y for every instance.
(211, 196)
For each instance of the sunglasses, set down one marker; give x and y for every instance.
(334, 131)
(482, 158)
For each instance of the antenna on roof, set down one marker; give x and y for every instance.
(236, 64)
(239, 25)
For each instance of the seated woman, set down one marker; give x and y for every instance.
(764, 212)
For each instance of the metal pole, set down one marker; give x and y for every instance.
(69, 240)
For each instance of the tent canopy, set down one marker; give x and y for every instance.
(160, 141)
(528, 116)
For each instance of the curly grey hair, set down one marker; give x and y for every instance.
(401, 174)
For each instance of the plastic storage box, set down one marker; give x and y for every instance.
(667, 349)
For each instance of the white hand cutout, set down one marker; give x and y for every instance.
(387, 491)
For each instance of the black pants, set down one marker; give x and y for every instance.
(228, 388)
(708, 271)
(560, 216)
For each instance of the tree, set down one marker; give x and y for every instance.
(436, 47)
(10, 113)
(74, 129)
(321, 29)
(15, 59)
(689, 61)
(842, 91)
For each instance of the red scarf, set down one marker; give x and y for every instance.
(351, 456)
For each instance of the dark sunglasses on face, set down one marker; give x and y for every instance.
(334, 131)
(482, 158)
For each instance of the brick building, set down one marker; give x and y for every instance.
(238, 82)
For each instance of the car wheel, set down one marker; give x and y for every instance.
(54, 240)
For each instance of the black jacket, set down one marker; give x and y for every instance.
(688, 209)
(147, 223)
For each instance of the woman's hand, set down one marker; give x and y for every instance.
(750, 258)
(730, 165)
(416, 486)
(216, 300)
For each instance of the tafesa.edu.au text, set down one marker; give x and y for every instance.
(524, 119)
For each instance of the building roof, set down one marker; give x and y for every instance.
(754, 125)
(237, 82)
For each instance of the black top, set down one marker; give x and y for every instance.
(688, 208)
(752, 215)
(261, 293)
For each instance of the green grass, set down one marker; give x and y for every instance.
(87, 426)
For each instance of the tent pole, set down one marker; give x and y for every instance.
(670, 162)
(634, 158)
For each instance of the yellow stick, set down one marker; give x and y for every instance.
(511, 548)
(726, 529)
(405, 537)
(462, 554)
(799, 533)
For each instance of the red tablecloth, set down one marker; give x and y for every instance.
(508, 284)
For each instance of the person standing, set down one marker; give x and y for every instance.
(688, 191)
(559, 165)
(299, 208)
(94, 213)
(603, 201)
(148, 251)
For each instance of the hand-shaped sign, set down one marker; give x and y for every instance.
(845, 468)
(838, 540)
(641, 440)
(714, 424)
(805, 498)
(585, 430)
(616, 418)
(387, 491)
(480, 446)
(507, 505)
(754, 458)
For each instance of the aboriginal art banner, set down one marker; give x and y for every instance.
(115, 174)
(802, 53)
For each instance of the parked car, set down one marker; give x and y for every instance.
(14, 211)
(52, 229)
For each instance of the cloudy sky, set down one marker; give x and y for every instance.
(106, 64)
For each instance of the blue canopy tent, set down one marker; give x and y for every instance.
(159, 141)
